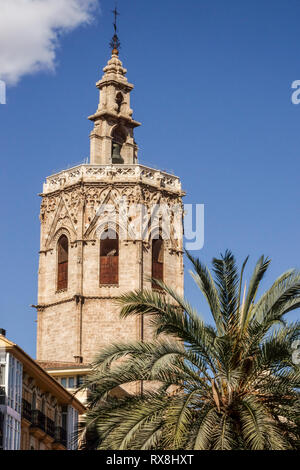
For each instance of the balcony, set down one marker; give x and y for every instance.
(50, 427)
(2, 396)
(43, 427)
(61, 436)
(26, 410)
(1, 430)
(38, 420)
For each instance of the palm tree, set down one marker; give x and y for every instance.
(228, 386)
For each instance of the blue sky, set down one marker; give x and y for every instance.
(213, 92)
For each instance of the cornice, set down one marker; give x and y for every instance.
(118, 84)
(103, 175)
(118, 184)
(77, 299)
(115, 117)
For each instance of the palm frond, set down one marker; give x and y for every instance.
(195, 386)
(206, 284)
(258, 274)
(225, 270)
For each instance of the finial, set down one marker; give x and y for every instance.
(115, 42)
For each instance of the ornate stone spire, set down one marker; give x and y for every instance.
(112, 140)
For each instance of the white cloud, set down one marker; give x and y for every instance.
(30, 30)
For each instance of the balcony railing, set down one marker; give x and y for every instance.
(133, 173)
(50, 427)
(61, 436)
(26, 410)
(2, 396)
(1, 430)
(38, 420)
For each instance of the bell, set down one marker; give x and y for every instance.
(116, 153)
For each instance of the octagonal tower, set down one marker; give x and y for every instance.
(88, 256)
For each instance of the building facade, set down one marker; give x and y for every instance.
(36, 412)
(103, 233)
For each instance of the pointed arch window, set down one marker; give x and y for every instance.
(157, 261)
(109, 258)
(62, 263)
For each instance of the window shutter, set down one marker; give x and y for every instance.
(109, 259)
(157, 262)
(63, 260)
(109, 270)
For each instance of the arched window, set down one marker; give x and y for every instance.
(118, 139)
(109, 258)
(119, 101)
(157, 261)
(62, 260)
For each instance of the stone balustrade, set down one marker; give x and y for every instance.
(111, 173)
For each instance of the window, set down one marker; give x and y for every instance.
(157, 261)
(118, 140)
(19, 386)
(72, 428)
(80, 380)
(14, 387)
(62, 259)
(119, 101)
(71, 382)
(2, 374)
(109, 258)
(67, 382)
(64, 417)
(2, 385)
(12, 433)
(63, 381)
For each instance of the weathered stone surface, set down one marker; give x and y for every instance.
(78, 321)
(74, 324)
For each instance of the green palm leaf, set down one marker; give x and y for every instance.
(231, 385)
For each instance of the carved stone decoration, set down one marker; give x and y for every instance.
(62, 219)
(65, 209)
(113, 112)
(80, 203)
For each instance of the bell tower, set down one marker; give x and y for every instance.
(103, 234)
(112, 139)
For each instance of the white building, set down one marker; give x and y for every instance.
(36, 411)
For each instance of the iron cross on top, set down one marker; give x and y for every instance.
(116, 14)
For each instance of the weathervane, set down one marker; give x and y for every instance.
(115, 42)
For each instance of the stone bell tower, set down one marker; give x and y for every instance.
(112, 139)
(88, 256)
